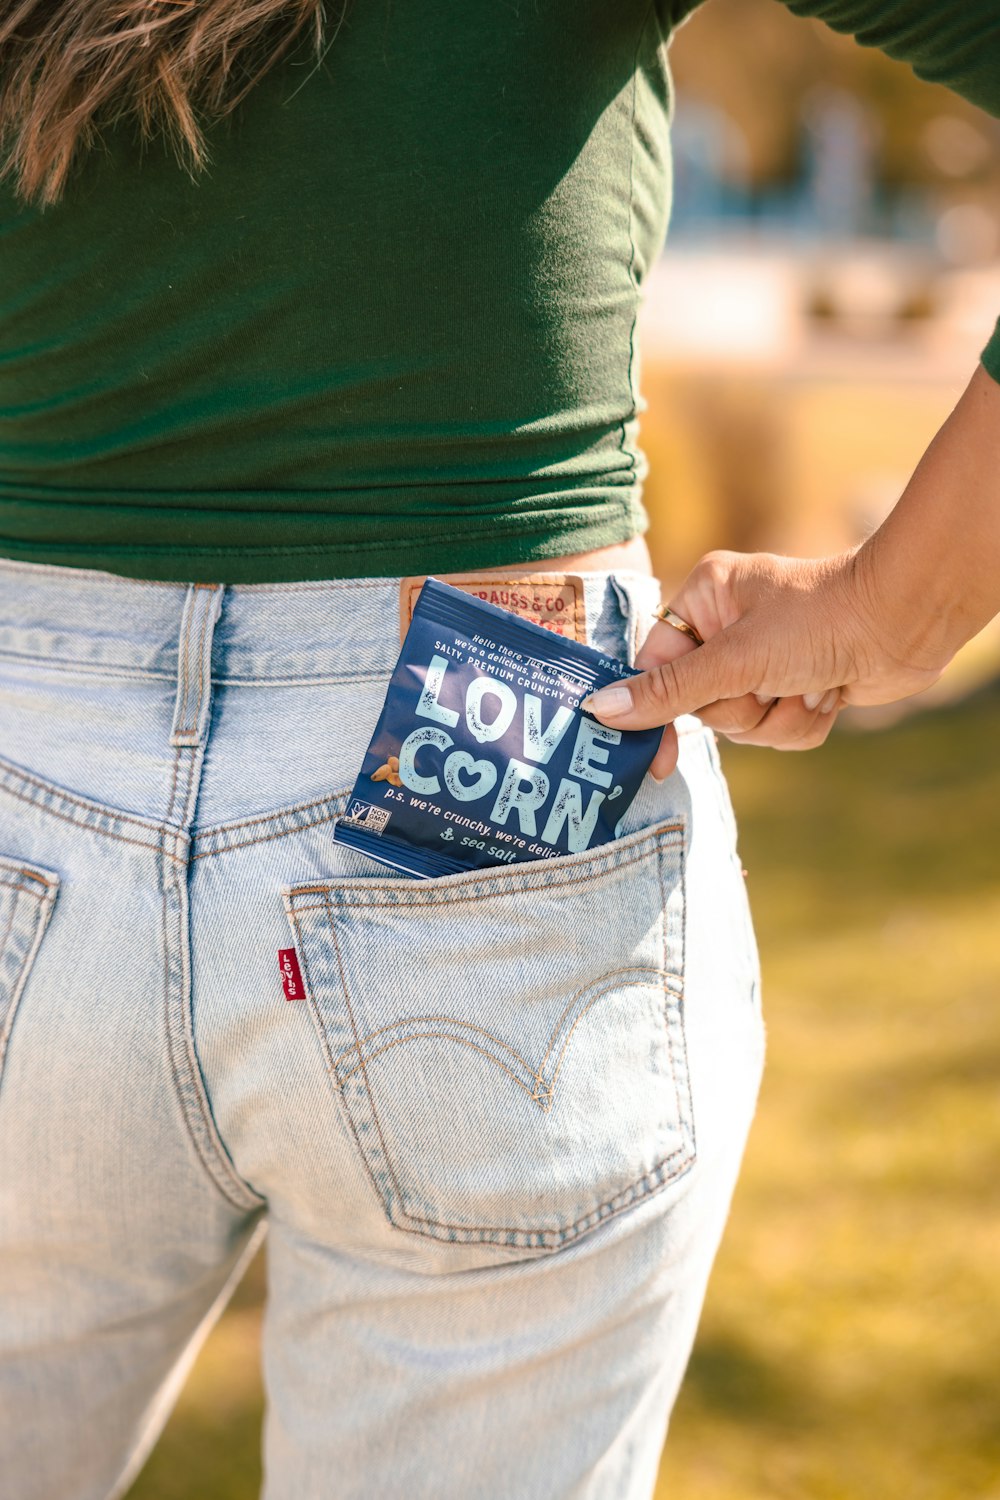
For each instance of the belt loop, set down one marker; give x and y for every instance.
(202, 607)
(638, 596)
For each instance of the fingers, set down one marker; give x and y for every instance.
(665, 759)
(664, 643)
(735, 716)
(789, 725)
(719, 669)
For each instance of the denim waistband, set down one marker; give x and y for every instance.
(338, 630)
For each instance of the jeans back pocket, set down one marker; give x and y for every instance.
(508, 1045)
(27, 896)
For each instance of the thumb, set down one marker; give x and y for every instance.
(715, 670)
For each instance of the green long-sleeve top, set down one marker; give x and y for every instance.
(393, 328)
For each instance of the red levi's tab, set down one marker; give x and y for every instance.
(291, 974)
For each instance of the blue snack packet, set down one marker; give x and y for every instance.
(482, 754)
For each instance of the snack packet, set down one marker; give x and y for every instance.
(482, 754)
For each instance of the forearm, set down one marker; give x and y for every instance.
(931, 571)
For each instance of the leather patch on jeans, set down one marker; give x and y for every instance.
(555, 600)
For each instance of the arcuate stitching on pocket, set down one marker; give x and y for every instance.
(659, 1173)
(536, 1084)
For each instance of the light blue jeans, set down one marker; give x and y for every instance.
(494, 1143)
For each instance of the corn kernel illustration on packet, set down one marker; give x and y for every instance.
(482, 755)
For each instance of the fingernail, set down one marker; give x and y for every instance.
(764, 699)
(812, 700)
(611, 701)
(830, 701)
(658, 779)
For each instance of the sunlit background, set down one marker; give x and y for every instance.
(832, 273)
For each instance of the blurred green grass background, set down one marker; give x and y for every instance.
(848, 1346)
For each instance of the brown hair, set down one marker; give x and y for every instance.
(67, 67)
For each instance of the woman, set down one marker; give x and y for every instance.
(383, 327)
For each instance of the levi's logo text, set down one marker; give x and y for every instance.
(291, 974)
(482, 755)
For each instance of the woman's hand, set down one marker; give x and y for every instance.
(789, 640)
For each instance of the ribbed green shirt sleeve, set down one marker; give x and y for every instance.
(957, 44)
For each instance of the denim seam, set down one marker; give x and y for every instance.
(8, 768)
(207, 833)
(326, 679)
(120, 672)
(205, 1140)
(115, 670)
(325, 1047)
(364, 1071)
(24, 890)
(182, 665)
(82, 823)
(206, 619)
(279, 833)
(173, 784)
(17, 889)
(38, 922)
(443, 897)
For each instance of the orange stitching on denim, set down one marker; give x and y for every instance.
(620, 1200)
(541, 1096)
(190, 788)
(606, 983)
(606, 987)
(378, 1191)
(17, 867)
(429, 1021)
(664, 902)
(17, 885)
(8, 768)
(79, 823)
(173, 783)
(282, 812)
(611, 974)
(439, 897)
(448, 1037)
(225, 1169)
(265, 837)
(321, 1031)
(352, 895)
(17, 889)
(364, 1071)
(117, 670)
(544, 1239)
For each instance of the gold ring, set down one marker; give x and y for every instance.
(669, 617)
